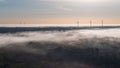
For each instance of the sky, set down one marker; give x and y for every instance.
(59, 11)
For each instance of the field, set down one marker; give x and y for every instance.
(61, 48)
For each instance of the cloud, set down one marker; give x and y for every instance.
(63, 8)
(2, 0)
(77, 0)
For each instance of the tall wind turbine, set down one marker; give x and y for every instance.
(102, 23)
(78, 23)
(21, 20)
(90, 23)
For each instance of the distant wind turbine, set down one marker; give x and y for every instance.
(102, 22)
(22, 20)
(90, 23)
(78, 23)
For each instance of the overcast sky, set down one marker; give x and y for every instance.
(59, 11)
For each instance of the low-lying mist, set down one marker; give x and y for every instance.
(61, 49)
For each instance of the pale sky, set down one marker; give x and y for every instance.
(59, 11)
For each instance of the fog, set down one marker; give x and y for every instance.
(90, 48)
(57, 36)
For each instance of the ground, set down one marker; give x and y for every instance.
(86, 48)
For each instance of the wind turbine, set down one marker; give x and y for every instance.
(90, 23)
(78, 23)
(102, 22)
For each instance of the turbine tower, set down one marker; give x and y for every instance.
(90, 23)
(78, 23)
(102, 23)
(20, 20)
